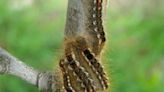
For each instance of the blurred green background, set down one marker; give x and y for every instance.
(32, 30)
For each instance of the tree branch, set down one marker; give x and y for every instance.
(11, 65)
(45, 81)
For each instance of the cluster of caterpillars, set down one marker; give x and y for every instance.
(80, 66)
(82, 72)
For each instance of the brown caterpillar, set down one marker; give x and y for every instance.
(99, 24)
(96, 66)
(89, 57)
(95, 26)
(66, 77)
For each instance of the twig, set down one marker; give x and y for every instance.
(45, 81)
